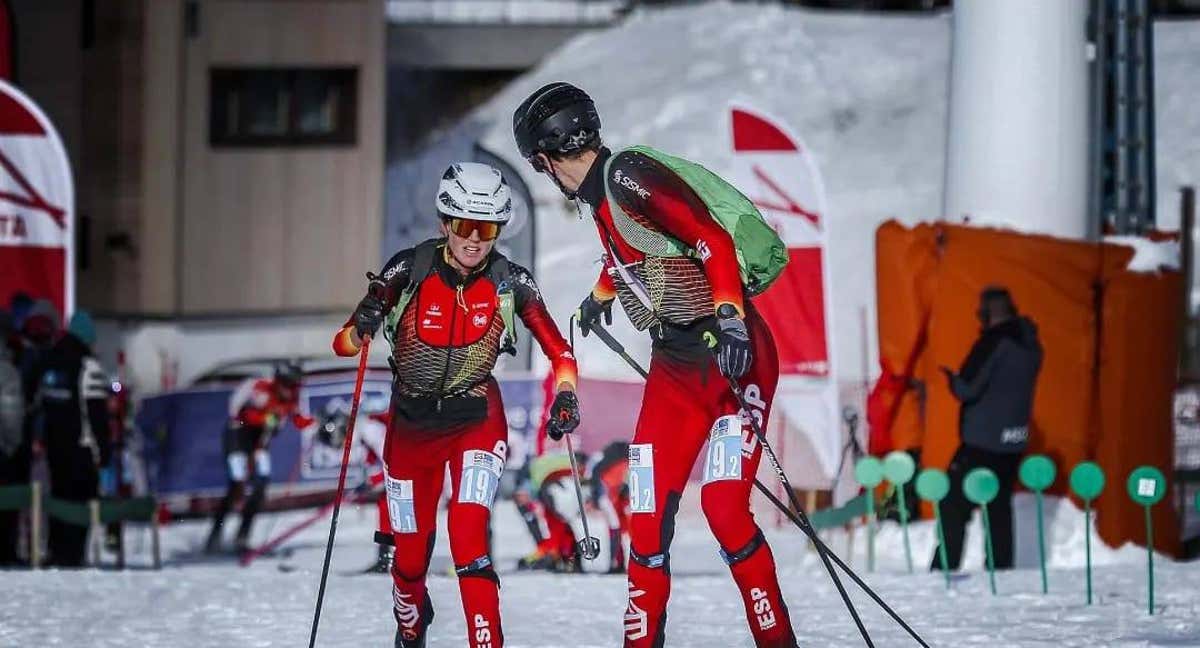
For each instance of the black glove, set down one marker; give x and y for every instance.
(368, 316)
(590, 311)
(564, 415)
(733, 343)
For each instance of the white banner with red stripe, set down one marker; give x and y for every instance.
(774, 170)
(37, 205)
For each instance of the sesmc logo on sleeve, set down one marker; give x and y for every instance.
(630, 184)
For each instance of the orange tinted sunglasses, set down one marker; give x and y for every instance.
(488, 231)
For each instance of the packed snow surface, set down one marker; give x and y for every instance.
(219, 605)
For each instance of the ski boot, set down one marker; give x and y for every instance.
(416, 638)
(539, 560)
(241, 544)
(212, 546)
(382, 564)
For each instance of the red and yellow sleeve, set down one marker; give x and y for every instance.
(605, 289)
(562, 362)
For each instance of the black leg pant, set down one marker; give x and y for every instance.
(956, 508)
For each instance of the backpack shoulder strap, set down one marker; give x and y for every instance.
(423, 256)
(501, 275)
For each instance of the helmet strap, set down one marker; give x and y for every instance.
(549, 170)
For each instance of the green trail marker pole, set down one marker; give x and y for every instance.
(981, 487)
(1087, 481)
(932, 486)
(899, 467)
(868, 472)
(1146, 486)
(1037, 474)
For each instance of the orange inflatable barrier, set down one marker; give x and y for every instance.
(1110, 340)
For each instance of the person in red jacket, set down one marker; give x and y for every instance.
(447, 305)
(257, 411)
(687, 303)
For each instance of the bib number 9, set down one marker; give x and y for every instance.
(401, 511)
(480, 477)
(641, 478)
(723, 461)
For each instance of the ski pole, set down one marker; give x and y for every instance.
(801, 523)
(616, 347)
(822, 550)
(284, 536)
(838, 561)
(337, 502)
(588, 546)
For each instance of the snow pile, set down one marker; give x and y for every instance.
(866, 92)
(216, 604)
(1149, 256)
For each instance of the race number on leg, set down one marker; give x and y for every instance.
(641, 478)
(480, 477)
(401, 510)
(723, 461)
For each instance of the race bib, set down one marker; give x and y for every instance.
(723, 462)
(262, 463)
(641, 478)
(238, 464)
(401, 511)
(480, 477)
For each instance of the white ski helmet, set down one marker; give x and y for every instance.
(474, 191)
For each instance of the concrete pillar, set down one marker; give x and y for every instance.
(1017, 145)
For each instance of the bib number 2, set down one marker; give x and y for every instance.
(723, 462)
(641, 478)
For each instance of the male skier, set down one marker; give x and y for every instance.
(675, 270)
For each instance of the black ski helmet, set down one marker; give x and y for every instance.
(557, 118)
(289, 372)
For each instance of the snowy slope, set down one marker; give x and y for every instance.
(867, 93)
(223, 606)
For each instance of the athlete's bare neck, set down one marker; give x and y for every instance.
(571, 172)
(461, 269)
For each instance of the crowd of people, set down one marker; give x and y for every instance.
(56, 402)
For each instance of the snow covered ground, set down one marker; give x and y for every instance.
(194, 604)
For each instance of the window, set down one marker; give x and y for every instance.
(283, 107)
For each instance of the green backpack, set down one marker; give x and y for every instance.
(761, 254)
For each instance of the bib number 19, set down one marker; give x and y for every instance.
(480, 477)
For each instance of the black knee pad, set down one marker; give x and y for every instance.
(653, 561)
(481, 567)
(734, 557)
(666, 534)
(385, 539)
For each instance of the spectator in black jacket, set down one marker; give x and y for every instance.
(74, 390)
(995, 386)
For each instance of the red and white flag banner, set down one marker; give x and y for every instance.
(776, 172)
(37, 205)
